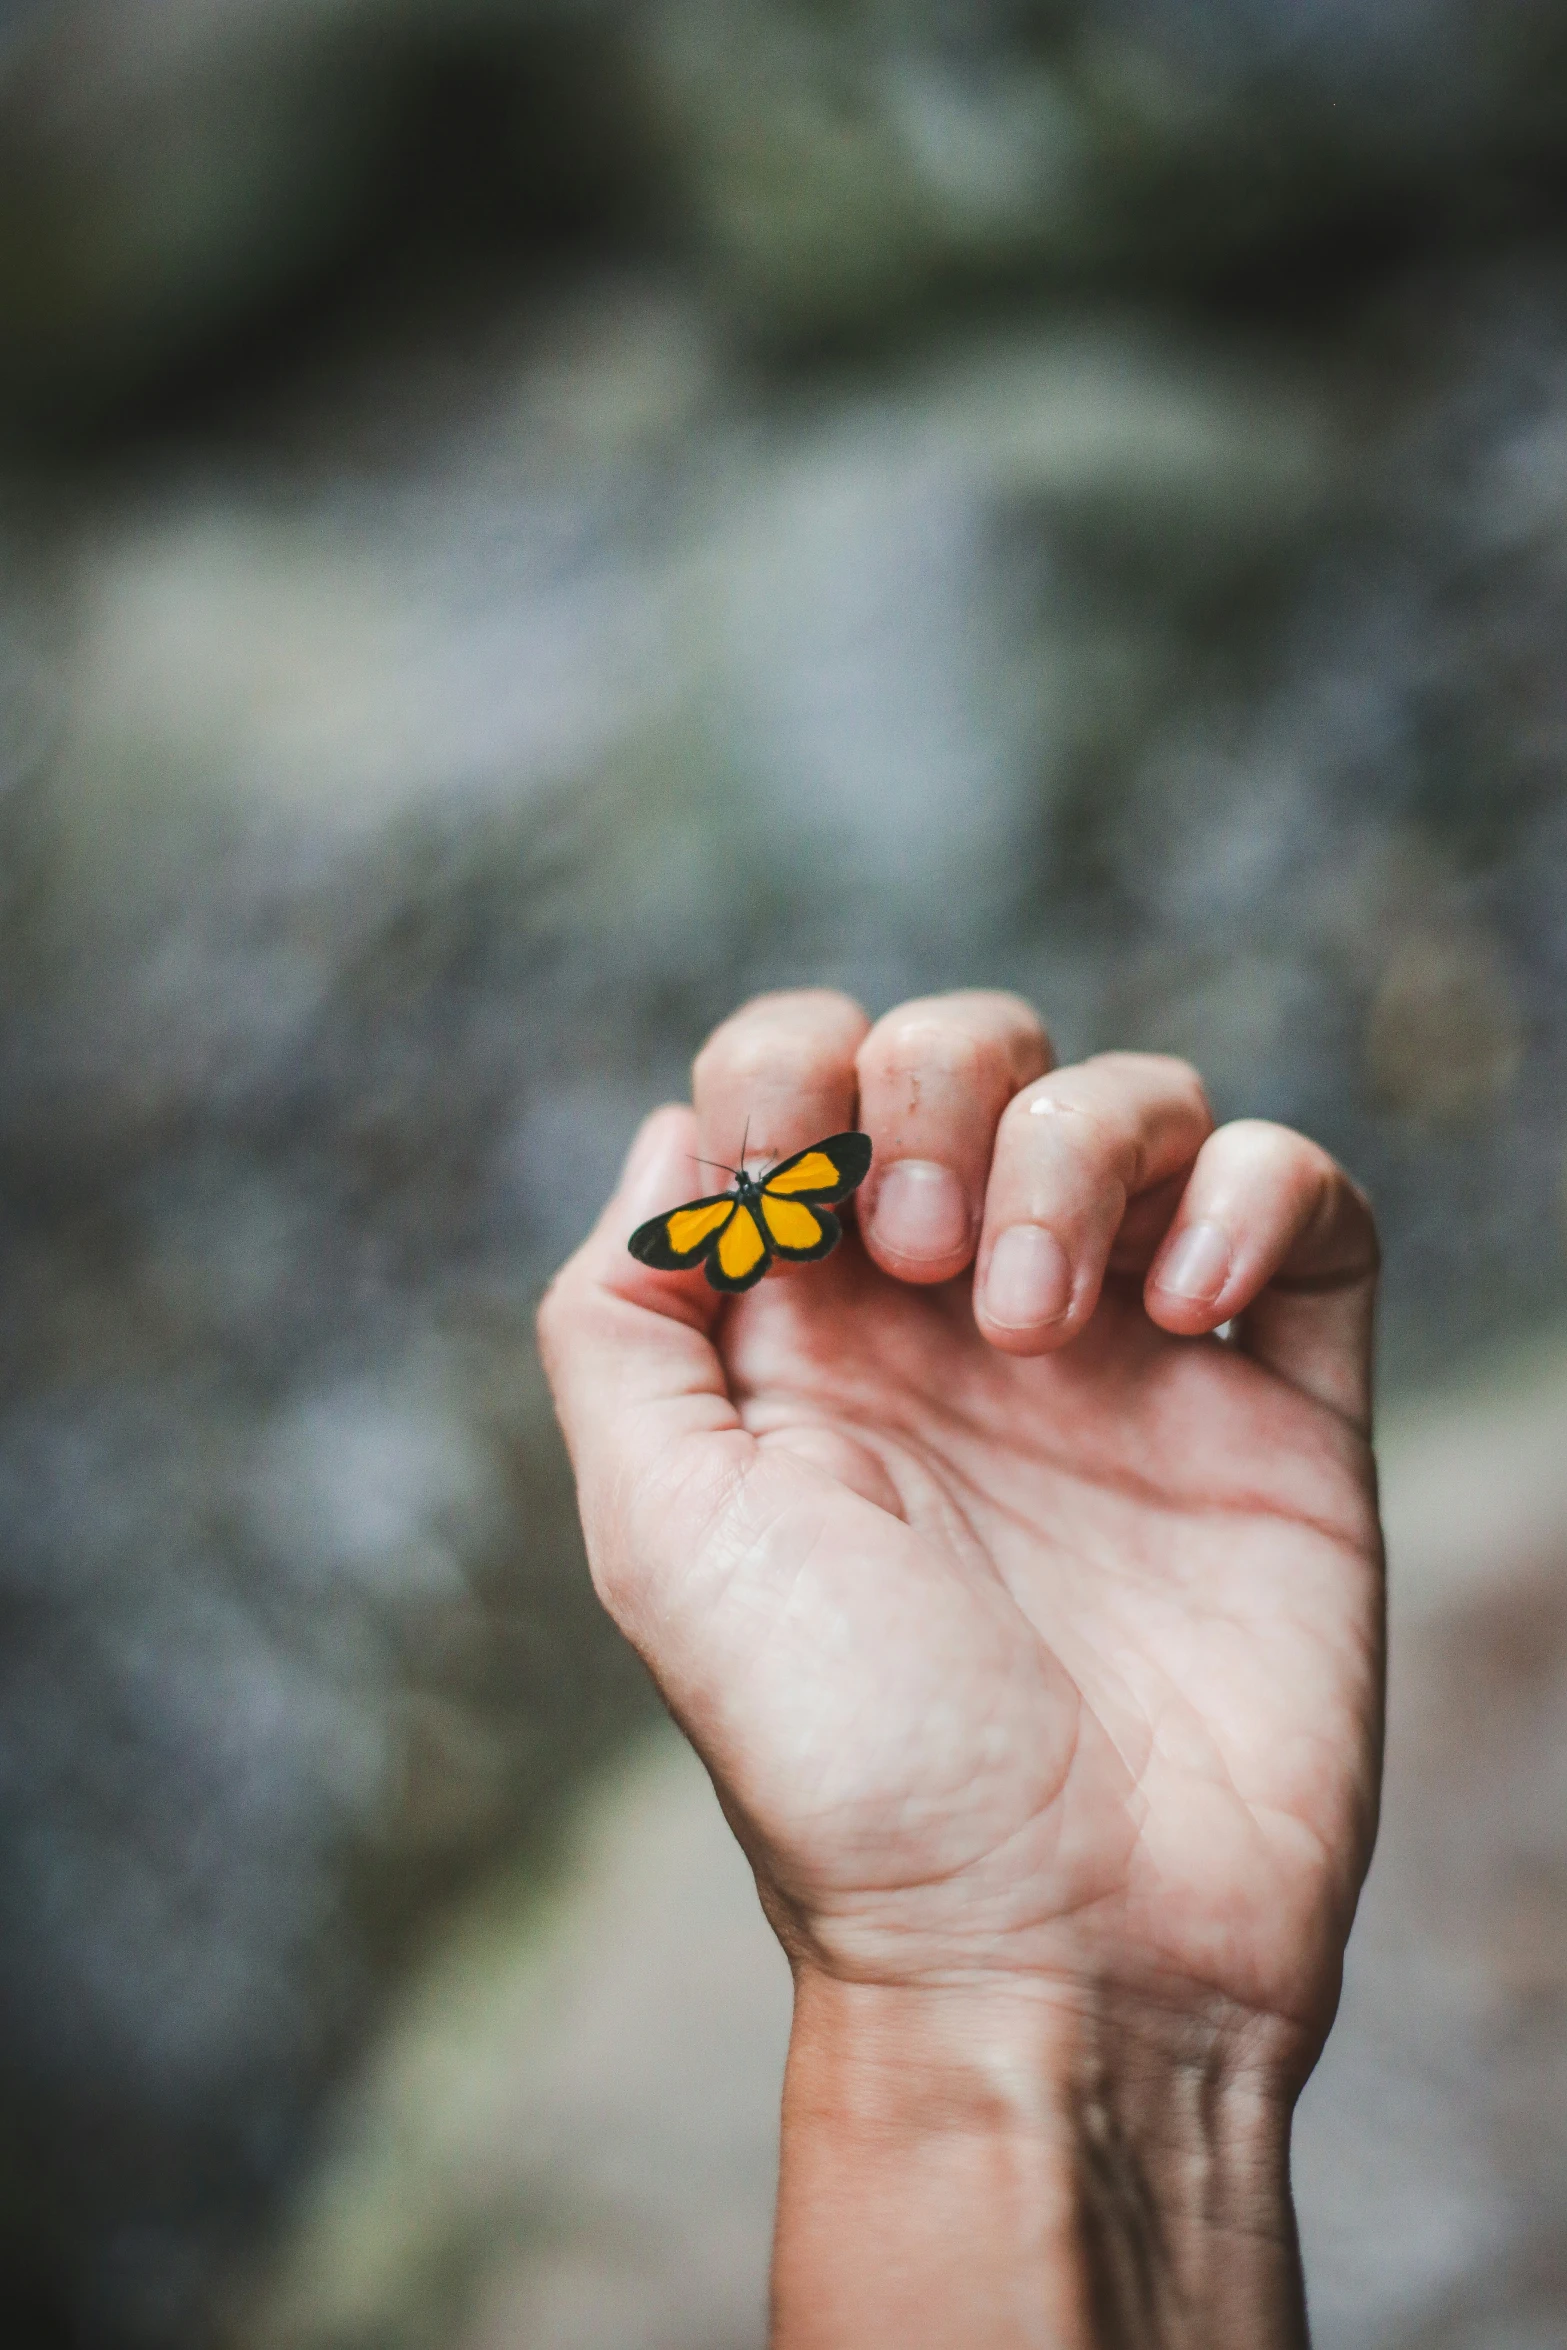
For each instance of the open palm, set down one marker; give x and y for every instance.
(1045, 1648)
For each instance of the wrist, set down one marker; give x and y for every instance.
(1020, 2164)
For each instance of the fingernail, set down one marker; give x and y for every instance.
(920, 1210)
(1029, 1280)
(1198, 1263)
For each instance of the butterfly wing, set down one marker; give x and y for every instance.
(717, 1233)
(678, 1240)
(826, 1171)
(799, 1230)
(740, 1255)
(735, 1244)
(800, 1226)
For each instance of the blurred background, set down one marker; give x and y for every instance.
(520, 522)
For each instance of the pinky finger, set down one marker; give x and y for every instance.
(1273, 1236)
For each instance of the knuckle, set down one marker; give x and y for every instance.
(1095, 1135)
(1176, 1070)
(781, 1057)
(932, 1043)
(1280, 1149)
(995, 1009)
(1079, 1113)
(925, 1042)
(816, 1003)
(1168, 1076)
(788, 1038)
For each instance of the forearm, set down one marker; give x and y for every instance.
(1007, 2170)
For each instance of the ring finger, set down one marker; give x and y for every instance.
(1073, 1153)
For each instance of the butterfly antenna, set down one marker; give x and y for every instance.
(745, 1138)
(718, 1163)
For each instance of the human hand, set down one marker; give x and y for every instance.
(1032, 1634)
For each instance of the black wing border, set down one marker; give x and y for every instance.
(832, 1232)
(650, 1244)
(850, 1153)
(730, 1285)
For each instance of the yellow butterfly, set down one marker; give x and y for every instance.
(783, 1213)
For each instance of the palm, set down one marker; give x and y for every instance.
(1062, 1664)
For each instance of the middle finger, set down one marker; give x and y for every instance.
(935, 1076)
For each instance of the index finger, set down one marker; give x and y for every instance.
(777, 1074)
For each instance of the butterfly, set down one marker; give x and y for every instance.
(783, 1213)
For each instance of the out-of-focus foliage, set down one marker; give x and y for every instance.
(173, 166)
(520, 524)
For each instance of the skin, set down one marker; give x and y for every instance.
(1033, 1637)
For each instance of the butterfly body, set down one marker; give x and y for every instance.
(735, 1235)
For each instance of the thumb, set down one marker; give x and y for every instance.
(629, 1352)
